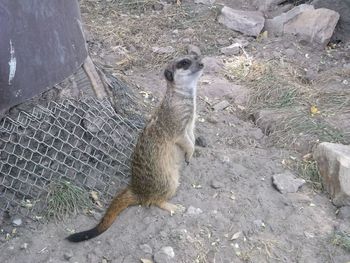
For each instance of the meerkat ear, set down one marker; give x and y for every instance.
(168, 75)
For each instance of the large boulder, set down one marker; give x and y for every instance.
(313, 25)
(342, 31)
(249, 23)
(276, 24)
(334, 166)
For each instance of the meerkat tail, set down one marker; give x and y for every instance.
(123, 200)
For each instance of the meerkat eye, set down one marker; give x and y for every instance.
(185, 64)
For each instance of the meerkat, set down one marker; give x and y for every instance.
(164, 143)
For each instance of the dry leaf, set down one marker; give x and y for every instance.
(144, 260)
(236, 235)
(314, 110)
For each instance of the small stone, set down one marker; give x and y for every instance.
(201, 141)
(249, 23)
(287, 182)
(24, 246)
(221, 105)
(216, 184)
(146, 248)
(213, 65)
(68, 255)
(225, 159)
(164, 255)
(17, 222)
(233, 49)
(193, 211)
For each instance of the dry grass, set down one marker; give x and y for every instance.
(132, 28)
(277, 85)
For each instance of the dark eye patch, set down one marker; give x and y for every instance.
(185, 64)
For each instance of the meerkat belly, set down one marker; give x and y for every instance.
(155, 172)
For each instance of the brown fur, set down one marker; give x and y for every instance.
(164, 143)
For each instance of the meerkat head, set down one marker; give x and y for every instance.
(184, 72)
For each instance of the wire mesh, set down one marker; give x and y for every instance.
(80, 141)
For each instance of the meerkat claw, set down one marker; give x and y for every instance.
(171, 208)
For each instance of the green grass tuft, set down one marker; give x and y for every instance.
(66, 199)
(342, 240)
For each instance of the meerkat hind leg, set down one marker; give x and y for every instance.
(171, 208)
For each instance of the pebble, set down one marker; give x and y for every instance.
(146, 248)
(24, 246)
(224, 159)
(221, 105)
(17, 222)
(68, 255)
(164, 255)
(216, 184)
(193, 211)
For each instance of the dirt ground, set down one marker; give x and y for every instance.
(233, 212)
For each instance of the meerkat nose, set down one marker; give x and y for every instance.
(201, 65)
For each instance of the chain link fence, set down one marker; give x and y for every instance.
(80, 141)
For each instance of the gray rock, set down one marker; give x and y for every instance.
(164, 255)
(212, 65)
(342, 30)
(287, 182)
(17, 222)
(193, 211)
(265, 5)
(314, 26)
(24, 246)
(146, 248)
(247, 22)
(216, 184)
(205, 2)
(68, 255)
(221, 105)
(233, 49)
(201, 141)
(276, 24)
(333, 162)
(344, 213)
